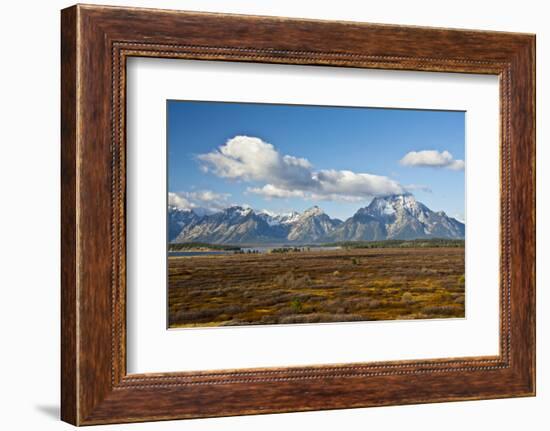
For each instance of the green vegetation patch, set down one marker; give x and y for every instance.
(201, 246)
(397, 243)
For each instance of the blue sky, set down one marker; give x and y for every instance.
(291, 157)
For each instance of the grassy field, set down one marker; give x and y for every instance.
(316, 286)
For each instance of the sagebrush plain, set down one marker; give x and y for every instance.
(312, 286)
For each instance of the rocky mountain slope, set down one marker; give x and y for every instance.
(397, 217)
(391, 217)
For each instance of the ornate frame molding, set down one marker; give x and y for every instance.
(96, 41)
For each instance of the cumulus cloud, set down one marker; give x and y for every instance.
(198, 199)
(270, 191)
(433, 159)
(207, 197)
(415, 187)
(250, 159)
(178, 201)
(349, 183)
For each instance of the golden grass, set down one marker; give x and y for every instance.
(316, 286)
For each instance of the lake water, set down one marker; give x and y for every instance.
(197, 253)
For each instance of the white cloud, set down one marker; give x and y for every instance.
(349, 183)
(199, 199)
(421, 187)
(335, 197)
(250, 159)
(457, 165)
(271, 191)
(207, 196)
(178, 201)
(432, 158)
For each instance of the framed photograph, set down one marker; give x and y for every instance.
(258, 235)
(317, 215)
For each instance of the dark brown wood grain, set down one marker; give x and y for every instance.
(68, 216)
(96, 41)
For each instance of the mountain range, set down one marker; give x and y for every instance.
(390, 217)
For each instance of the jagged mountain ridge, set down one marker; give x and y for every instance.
(313, 225)
(391, 217)
(397, 217)
(233, 225)
(179, 218)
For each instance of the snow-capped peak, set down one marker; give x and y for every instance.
(239, 210)
(388, 217)
(174, 208)
(382, 206)
(268, 213)
(290, 217)
(313, 211)
(273, 218)
(389, 205)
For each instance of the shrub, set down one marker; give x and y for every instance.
(233, 309)
(290, 281)
(321, 317)
(234, 322)
(296, 305)
(407, 298)
(446, 310)
(192, 316)
(375, 303)
(274, 299)
(459, 300)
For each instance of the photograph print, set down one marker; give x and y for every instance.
(297, 214)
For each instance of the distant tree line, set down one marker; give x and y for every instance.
(398, 243)
(389, 243)
(198, 245)
(249, 251)
(288, 249)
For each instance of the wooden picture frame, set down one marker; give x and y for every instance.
(95, 43)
